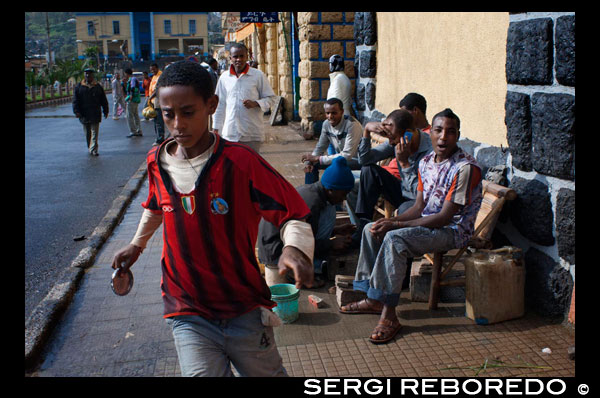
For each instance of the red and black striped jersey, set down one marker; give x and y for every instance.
(209, 267)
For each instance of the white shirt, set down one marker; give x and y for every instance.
(233, 120)
(341, 88)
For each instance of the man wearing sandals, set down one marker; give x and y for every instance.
(442, 218)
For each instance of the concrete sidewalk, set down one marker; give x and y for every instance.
(102, 334)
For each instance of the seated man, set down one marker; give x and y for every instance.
(442, 218)
(321, 198)
(398, 180)
(343, 132)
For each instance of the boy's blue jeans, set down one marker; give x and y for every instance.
(382, 264)
(209, 348)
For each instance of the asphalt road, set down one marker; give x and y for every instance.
(67, 191)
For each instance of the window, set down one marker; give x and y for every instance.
(116, 28)
(91, 28)
(192, 26)
(167, 26)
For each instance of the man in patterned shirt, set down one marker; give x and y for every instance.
(442, 218)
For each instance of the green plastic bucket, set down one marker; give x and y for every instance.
(286, 297)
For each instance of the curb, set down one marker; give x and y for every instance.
(48, 312)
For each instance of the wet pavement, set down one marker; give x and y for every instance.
(102, 334)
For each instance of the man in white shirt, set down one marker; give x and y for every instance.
(244, 95)
(339, 86)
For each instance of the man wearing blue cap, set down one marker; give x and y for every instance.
(321, 197)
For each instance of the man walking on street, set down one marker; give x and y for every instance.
(132, 90)
(88, 101)
(244, 95)
(118, 96)
(159, 124)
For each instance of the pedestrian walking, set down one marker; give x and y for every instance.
(118, 96)
(89, 102)
(146, 90)
(133, 102)
(210, 194)
(244, 95)
(159, 123)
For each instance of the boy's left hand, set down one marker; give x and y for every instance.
(294, 259)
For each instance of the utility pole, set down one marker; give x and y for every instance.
(49, 51)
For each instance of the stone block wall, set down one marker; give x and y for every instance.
(365, 64)
(540, 122)
(322, 34)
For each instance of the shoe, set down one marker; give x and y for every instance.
(139, 134)
(115, 118)
(130, 135)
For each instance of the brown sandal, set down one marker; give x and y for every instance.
(359, 307)
(384, 331)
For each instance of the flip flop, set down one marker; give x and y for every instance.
(359, 307)
(388, 330)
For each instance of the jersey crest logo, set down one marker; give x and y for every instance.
(189, 204)
(218, 205)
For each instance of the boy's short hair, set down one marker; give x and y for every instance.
(188, 73)
(402, 119)
(449, 114)
(129, 71)
(411, 100)
(333, 101)
(238, 45)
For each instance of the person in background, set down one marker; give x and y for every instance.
(118, 96)
(244, 95)
(146, 89)
(339, 86)
(159, 123)
(132, 92)
(321, 197)
(89, 102)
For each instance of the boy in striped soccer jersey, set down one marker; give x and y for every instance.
(210, 195)
(442, 218)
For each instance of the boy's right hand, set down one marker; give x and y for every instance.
(126, 256)
(299, 263)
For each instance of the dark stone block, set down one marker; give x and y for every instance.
(368, 63)
(360, 97)
(358, 28)
(531, 212)
(529, 52)
(490, 157)
(565, 224)
(468, 146)
(518, 129)
(553, 134)
(370, 95)
(370, 28)
(564, 37)
(548, 286)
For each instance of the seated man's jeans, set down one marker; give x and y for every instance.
(382, 264)
(326, 224)
(375, 181)
(210, 348)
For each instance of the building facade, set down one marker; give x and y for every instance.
(142, 35)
